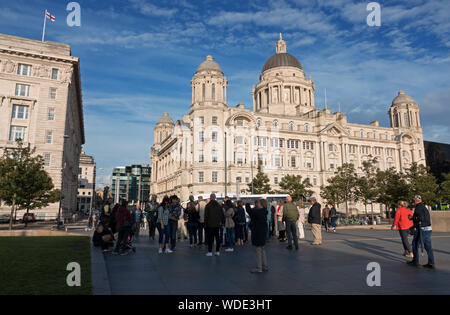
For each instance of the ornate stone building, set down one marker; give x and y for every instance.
(86, 183)
(41, 103)
(216, 144)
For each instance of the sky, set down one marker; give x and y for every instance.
(138, 57)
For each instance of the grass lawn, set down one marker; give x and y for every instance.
(37, 265)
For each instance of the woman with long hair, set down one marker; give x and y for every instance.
(162, 224)
(258, 217)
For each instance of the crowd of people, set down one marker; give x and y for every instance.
(228, 224)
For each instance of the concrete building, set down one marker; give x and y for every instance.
(215, 146)
(131, 183)
(86, 183)
(41, 103)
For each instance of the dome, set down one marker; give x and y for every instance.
(165, 119)
(402, 98)
(209, 64)
(282, 60)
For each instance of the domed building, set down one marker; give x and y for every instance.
(215, 148)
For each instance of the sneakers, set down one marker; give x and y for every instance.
(256, 270)
(413, 263)
(217, 253)
(168, 251)
(209, 254)
(160, 251)
(229, 250)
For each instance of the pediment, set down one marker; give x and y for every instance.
(335, 130)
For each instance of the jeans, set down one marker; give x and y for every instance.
(122, 239)
(246, 232)
(426, 235)
(192, 229)
(404, 236)
(333, 222)
(173, 225)
(229, 237)
(163, 233)
(221, 235)
(201, 228)
(291, 231)
(151, 229)
(261, 258)
(211, 234)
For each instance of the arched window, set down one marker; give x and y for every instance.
(275, 124)
(213, 92)
(306, 127)
(258, 122)
(361, 133)
(291, 126)
(203, 92)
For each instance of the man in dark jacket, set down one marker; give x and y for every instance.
(422, 233)
(213, 222)
(174, 216)
(315, 219)
(290, 217)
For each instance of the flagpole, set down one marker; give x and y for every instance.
(43, 29)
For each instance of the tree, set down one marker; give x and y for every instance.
(23, 181)
(342, 186)
(295, 187)
(444, 188)
(260, 182)
(391, 187)
(423, 183)
(366, 188)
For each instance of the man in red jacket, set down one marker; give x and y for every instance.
(403, 222)
(123, 226)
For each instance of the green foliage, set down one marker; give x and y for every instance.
(422, 182)
(23, 180)
(392, 187)
(295, 187)
(444, 188)
(366, 188)
(260, 183)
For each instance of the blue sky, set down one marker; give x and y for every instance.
(138, 57)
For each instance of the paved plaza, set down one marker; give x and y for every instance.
(336, 267)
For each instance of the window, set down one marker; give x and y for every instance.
(239, 122)
(309, 162)
(214, 120)
(259, 122)
(214, 92)
(277, 160)
(200, 177)
(203, 92)
(214, 177)
(332, 162)
(23, 69)
(48, 136)
(374, 134)
(239, 140)
(22, 90)
(52, 93)
(292, 161)
(240, 157)
(214, 156)
(51, 114)
(17, 132)
(308, 145)
(315, 181)
(47, 159)
(201, 137)
(202, 120)
(275, 124)
(420, 153)
(361, 133)
(275, 180)
(20, 112)
(330, 148)
(214, 136)
(201, 157)
(306, 127)
(291, 126)
(54, 74)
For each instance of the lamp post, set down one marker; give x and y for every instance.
(63, 165)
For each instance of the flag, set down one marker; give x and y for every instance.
(49, 16)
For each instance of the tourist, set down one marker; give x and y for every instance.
(138, 219)
(326, 217)
(240, 223)
(229, 226)
(422, 234)
(151, 210)
(213, 222)
(113, 219)
(315, 219)
(201, 226)
(103, 237)
(281, 225)
(193, 220)
(273, 219)
(290, 217)
(175, 211)
(258, 217)
(301, 220)
(124, 225)
(403, 222)
(247, 226)
(333, 217)
(222, 228)
(182, 233)
(162, 224)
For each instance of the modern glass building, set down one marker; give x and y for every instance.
(131, 183)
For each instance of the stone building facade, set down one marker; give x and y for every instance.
(86, 183)
(41, 103)
(215, 143)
